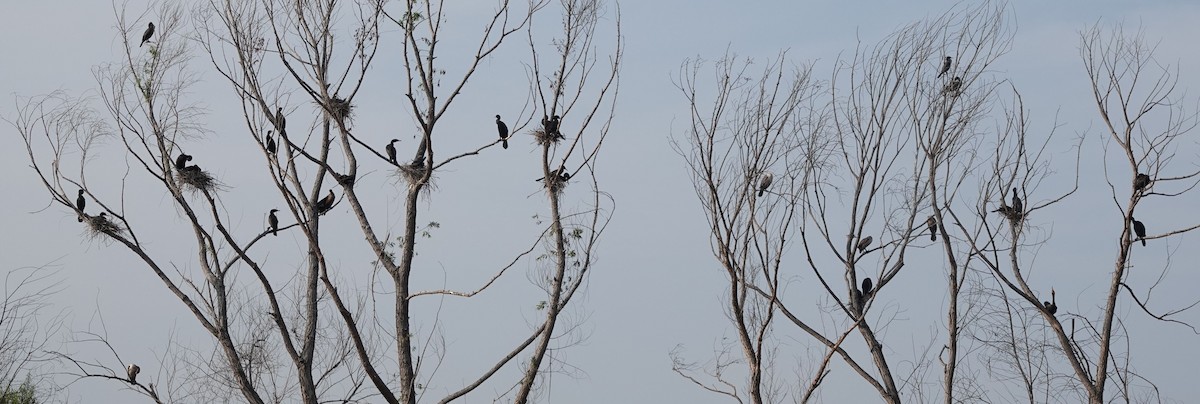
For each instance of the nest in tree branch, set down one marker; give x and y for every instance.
(198, 179)
(412, 173)
(99, 226)
(545, 138)
(340, 109)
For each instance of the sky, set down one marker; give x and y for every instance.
(655, 286)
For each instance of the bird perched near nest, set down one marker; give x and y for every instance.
(864, 243)
(273, 222)
(146, 35)
(391, 150)
(1018, 207)
(325, 204)
(271, 146)
(503, 130)
(181, 161)
(132, 371)
(945, 66)
(866, 288)
(764, 183)
(1140, 182)
(552, 127)
(954, 86)
(931, 222)
(1139, 229)
(80, 202)
(1051, 307)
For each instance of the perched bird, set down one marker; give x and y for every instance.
(503, 129)
(866, 288)
(274, 222)
(1139, 229)
(954, 86)
(325, 204)
(932, 223)
(281, 121)
(146, 35)
(271, 147)
(945, 66)
(80, 202)
(391, 150)
(1140, 182)
(864, 243)
(132, 371)
(562, 174)
(1017, 206)
(764, 183)
(181, 161)
(1003, 209)
(1051, 307)
(552, 127)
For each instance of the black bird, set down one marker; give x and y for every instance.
(553, 127)
(862, 244)
(561, 173)
(325, 204)
(274, 222)
(764, 183)
(1141, 182)
(945, 66)
(1017, 206)
(181, 161)
(146, 35)
(80, 202)
(1051, 307)
(132, 370)
(281, 121)
(1140, 230)
(866, 288)
(391, 150)
(954, 86)
(932, 223)
(271, 147)
(503, 129)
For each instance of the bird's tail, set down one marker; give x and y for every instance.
(1143, 241)
(932, 236)
(760, 192)
(504, 143)
(275, 232)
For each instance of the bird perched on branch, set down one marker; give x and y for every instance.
(146, 35)
(325, 204)
(281, 121)
(274, 222)
(864, 243)
(954, 86)
(1139, 229)
(132, 371)
(503, 130)
(931, 222)
(271, 146)
(181, 161)
(1051, 307)
(764, 183)
(552, 127)
(391, 150)
(1018, 207)
(866, 288)
(80, 202)
(1140, 182)
(945, 66)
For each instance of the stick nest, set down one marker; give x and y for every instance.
(197, 179)
(544, 138)
(340, 109)
(412, 173)
(99, 226)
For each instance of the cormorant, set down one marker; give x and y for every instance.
(954, 86)
(554, 127)
(181, 161)
(1017, 206)
(80, 202)
(325, 204)
(146, 35)
(862, 244)
(281, 121)
(1141, 182)
(932, 223)
(133, 370)
(274, 222)
(503, 129)
(945, 66)
(391, 150)
(764, 183)
(1140, 230)
(561, 173)
(866, 288)
(271, 147)
(1051, 307)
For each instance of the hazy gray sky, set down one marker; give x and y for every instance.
(655, 285)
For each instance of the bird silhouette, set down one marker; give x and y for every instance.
(132, 371)
(552, 127)
(146, 35)
(932, 223)
(391, 150)
(80, 202)
(866, 288)
(1051, 307)
(1140, 182)
(864, 243)
(765, 182)
(181, 161)
(945, 66)
(1139, 229)
(281, 121)
(503, 130)
(954, 86)
(325, 204)
(271, 146)
(1018, 207)
(274, 222)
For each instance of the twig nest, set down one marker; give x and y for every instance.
(412, 173)
(99, 225)
(340, 109)
(197, 178)
(546, 138)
